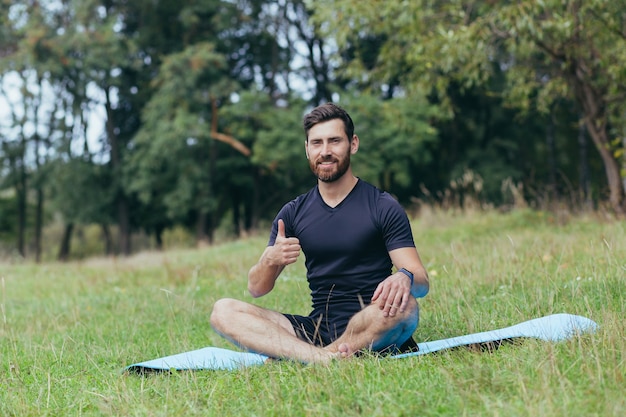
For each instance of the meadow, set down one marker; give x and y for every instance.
(67, 330)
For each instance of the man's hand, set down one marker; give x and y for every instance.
(392, 295)
(262, 276)
(285, 250)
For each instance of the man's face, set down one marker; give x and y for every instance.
(328, 150)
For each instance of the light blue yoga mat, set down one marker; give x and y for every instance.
(555, 327)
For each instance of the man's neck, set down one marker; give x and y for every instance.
(334, 192)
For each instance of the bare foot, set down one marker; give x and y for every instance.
(320, 356)
(329, 357)
(345, 351)
(339, 351)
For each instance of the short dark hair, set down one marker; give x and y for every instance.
(326, 112)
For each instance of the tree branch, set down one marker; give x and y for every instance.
(222, 137)
(611, 28)
(502, 34)
(553, 53)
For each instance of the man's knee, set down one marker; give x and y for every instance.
(374, 314)
(399, 328)
(222, 309)
(404, 323)
(410, 314)
(409, 318)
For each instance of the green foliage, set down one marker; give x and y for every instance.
(89, 199)
(437, 90)
(548, 51)
(395, 135)
(279, 148)
(68, 330)
(171, 164)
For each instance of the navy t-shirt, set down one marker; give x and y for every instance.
(346, 247)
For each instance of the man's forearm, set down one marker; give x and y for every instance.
(419, 281)
(421, 285)
(262, 277)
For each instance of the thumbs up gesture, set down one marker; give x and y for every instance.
(286, 249)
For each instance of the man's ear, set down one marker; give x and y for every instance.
(354, 145)
(306, 149)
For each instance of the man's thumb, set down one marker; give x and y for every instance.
(281, 228)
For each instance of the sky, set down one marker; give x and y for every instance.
(11, 98)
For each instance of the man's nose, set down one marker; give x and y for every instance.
(325, 149)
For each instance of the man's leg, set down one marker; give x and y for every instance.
(369, 329)
(263, 331)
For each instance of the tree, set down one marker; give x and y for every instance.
(580, 47)
(316, 50)
(174, 163)
(260, 183)
(549, 50)
(396, 135)
(28, 60)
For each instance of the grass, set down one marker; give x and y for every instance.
(68, 330)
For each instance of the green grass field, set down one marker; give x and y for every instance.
(68, 330)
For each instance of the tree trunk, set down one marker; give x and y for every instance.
(38, 223)
(255, 201)
(585, 179)
(611, 167)
(123, 211)
(38, 163)
(596, 120)
(553, 193)
(248, 213)
(158, 237)
(202, 238)
(21, 206)
(236, 205)
(108, 241)
(123, 223)
(624, 162)
(64, 249)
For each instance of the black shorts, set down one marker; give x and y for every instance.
(315, 330)
(320, 332)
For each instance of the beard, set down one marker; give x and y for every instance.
(325, 175)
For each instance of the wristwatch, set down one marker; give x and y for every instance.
(407, 273)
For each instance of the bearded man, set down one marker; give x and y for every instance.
(353, 237)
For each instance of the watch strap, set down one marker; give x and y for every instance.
(407, 273)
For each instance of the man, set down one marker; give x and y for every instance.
(351, 234)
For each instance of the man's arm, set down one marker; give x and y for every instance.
(393, 293)
(409, 259)
(263, 275)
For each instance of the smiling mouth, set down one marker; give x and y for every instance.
(326, 165)
(327, 162)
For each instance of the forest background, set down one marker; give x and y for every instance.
(127, 125)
